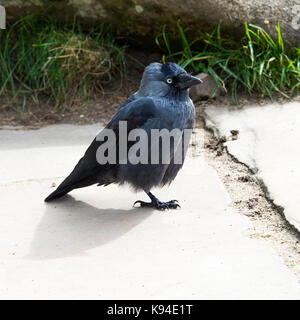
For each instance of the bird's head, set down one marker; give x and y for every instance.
(163, 79)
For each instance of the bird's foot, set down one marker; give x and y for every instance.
(155, 203)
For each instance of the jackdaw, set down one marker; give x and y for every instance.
(162, 102)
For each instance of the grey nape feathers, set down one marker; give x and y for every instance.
(162, 102)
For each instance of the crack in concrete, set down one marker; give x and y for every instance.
(269, 222)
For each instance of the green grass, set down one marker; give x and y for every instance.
(43, 58)
(257, 62)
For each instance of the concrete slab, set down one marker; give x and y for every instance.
(94, 245)
(268, 143)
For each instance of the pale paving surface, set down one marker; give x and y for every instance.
(93, 244)
(268, 143)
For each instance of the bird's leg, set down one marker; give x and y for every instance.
(155, 203)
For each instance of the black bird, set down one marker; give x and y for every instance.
(162, 102)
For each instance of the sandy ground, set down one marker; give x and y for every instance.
(266, 140)
(249, 199)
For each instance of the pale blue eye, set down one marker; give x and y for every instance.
(169, 80)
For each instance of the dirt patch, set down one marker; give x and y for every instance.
(37, 116)
(99, 108)
(249, 199)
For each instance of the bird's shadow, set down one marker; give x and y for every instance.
(71, 227)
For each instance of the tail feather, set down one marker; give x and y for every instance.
(72, 182)
(85, 173)
(58, 193)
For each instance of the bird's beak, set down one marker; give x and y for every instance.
(186, 81)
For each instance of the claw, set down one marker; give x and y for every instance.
(143, 204)
(173, 204)
(138, 201)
